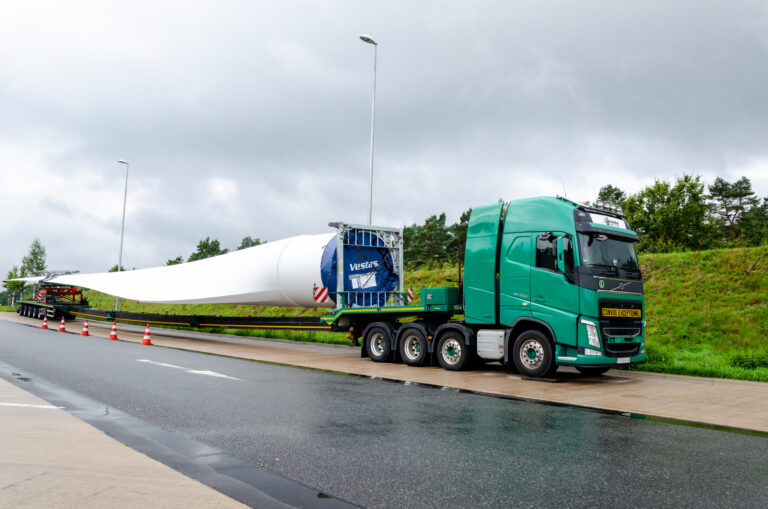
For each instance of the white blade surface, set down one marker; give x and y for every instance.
(280, 273)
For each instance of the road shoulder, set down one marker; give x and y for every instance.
(48, 458)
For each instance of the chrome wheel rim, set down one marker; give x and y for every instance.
(451, 351)
(531, 354)
(412, 347)
(378, 344)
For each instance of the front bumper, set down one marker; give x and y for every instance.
(598, 349)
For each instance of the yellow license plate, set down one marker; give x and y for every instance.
(621, 313)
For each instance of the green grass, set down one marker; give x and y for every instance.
(11, 309)
(705, 316)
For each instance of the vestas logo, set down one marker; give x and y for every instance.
(363, 265)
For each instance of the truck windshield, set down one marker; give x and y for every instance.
(609, 255)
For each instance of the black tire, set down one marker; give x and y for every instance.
(452, 353)
(413, 347)
(377, 342)
(532, 354)
(592, 371)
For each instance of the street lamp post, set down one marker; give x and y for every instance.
(369, 40)
(122, 228)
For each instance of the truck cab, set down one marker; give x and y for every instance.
(550, 282)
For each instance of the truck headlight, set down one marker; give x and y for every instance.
(589, 351)
(594, 339)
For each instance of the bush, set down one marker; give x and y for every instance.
(750, 360)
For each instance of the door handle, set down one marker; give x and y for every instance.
(538, 298)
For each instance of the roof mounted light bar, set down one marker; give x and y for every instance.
(601, 206)
(608, 207)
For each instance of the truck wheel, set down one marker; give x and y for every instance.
(413, 347)
(377, 341)
(452, 353)
(532, 354)
(592, 371)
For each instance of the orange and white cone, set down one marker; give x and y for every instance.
(85, 328)
(113, 333)
(146, 340)
(45, 323)
(61, 326)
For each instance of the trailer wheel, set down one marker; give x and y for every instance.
(532, 354)
(413, 347)
(377, 341)
(452, 353)
(584, 370)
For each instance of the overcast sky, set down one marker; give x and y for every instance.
(253, 118)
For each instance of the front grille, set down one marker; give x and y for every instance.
(621, 349)
(624, 332)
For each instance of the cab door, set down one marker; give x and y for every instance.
(554, 294)
(515, 278)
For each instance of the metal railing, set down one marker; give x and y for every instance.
(362, 299)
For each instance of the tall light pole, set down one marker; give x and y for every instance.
(122, 228)
(369, 40)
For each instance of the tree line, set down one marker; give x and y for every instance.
(208, 247)
(677, 215)
(682, 215)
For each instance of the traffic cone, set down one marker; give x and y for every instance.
(45, 323)
(113, 333)
(85, 328)
(61, 325)
(146, 340)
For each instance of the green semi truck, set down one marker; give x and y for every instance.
(547, 282)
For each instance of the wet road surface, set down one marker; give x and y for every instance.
(383, 444)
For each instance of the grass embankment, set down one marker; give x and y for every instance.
(414, 279)
(705, 316)
(11, 309)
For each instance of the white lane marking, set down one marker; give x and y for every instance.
(188, 370)
(24, 405)
(162, 364)
(211, 373)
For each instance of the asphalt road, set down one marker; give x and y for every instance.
(384, 444)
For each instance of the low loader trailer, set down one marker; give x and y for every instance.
(547, 282)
